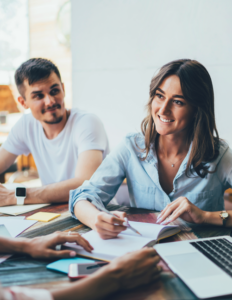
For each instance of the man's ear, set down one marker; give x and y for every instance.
(22, 101)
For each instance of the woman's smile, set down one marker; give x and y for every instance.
(165, 119)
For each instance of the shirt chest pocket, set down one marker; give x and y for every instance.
(141, 195)
(203, 200)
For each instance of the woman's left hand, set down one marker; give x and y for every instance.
(181, 208)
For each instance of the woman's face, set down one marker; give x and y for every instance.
(171, 113)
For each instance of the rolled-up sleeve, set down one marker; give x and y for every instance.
(104, 183)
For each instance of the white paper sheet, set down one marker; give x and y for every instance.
(15, 210)
(15, 227)
(126, 241)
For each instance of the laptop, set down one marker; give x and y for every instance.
(204, 265)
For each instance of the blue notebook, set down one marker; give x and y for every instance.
(62, 265)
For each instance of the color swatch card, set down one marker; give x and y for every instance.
(43, 216)
(62, 265)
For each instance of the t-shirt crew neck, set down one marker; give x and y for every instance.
(56, 159)
(61, 132)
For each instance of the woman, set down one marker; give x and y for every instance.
(131, 270)
(177, 165)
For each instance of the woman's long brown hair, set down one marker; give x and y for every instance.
(197, 89)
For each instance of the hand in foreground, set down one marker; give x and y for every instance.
(44, 246)
(135, 269)
(181, 208)
(7, 197)
(109, 227)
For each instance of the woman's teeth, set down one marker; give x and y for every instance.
(165, 120)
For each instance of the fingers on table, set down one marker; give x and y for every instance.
(74, 237)
(169, 209)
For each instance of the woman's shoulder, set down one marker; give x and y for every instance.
(131, 143)
(135, 140)
(224, 152)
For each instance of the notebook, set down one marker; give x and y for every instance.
(126, 241)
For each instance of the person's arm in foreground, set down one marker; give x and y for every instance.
(88, 162)
(184, 209)
(44, 246)
(129, 271)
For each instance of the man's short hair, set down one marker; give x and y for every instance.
(34, 70)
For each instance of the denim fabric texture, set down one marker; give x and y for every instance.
(143, 179)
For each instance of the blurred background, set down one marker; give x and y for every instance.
(108, 51)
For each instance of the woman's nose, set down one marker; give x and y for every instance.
(165, 107)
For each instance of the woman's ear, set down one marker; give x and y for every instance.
(22, 101)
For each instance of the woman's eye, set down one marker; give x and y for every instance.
(159, 95)
(178, 102)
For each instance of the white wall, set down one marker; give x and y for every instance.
(117, 46)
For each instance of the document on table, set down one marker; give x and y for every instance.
(14, 226)
(15, 210)
(126, 241)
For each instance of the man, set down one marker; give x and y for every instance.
(67, 146)
(123, 273)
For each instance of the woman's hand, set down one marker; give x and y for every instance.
(109, 227)
(44, 246)
(181, 208)
(135, 268)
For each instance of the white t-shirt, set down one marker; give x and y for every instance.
(56, 159)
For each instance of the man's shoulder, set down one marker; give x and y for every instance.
(25, 121)
(82, 117)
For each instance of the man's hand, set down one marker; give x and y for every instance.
(44, 246)
(134, 269)
(7, 197)
(109, 227)
(181, 208)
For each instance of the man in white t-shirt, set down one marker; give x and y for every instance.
(67, 145)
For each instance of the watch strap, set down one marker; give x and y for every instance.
(20, 200)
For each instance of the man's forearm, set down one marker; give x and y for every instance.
(52, 193)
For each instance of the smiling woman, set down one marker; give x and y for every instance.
(177, 165)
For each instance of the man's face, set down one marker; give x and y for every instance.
(45, 98)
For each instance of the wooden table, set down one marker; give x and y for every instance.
(23, 270)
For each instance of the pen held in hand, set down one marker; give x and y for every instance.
(126, 223)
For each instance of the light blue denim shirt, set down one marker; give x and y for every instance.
(143, 179)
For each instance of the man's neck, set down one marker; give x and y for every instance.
(52, 130)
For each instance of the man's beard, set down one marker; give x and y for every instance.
(56, 119)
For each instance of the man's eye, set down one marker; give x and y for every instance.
(39, 96)
(54, 92)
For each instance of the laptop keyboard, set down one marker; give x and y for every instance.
(219, 251)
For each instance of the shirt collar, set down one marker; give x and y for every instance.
(153, 159)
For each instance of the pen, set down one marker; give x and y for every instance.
(110, 213)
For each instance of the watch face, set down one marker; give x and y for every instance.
(20, 192)
(224, 215)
